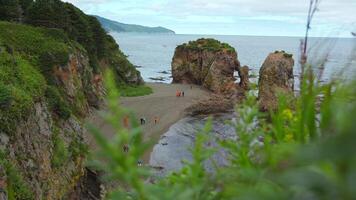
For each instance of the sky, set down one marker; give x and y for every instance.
(335, 18)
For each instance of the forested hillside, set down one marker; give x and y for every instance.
(86, 30)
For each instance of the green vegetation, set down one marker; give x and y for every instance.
(111, 25)
(288, 55)
(78, 148)
(16, 188)
(134, 91)
(66, 22)
(20, 86)
(60, 152)
(296, 152)
(5, 96)
(9, 10)
(208, 44)
(41, 47)
(57, 104)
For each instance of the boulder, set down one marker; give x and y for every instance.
(244, 77)
(214, 104)
(276, 76)
(206, 62)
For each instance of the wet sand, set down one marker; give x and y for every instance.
(162, 104)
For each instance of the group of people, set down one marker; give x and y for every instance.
(143, 120)
(179, 93)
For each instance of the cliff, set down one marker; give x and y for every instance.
(49, 83)
(47, 87)
(206, 62)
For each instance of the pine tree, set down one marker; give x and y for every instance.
(48, 13)
(10, 10)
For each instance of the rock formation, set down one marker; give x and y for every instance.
(276, 75)
(206, 62)
(244, 77)
(214, 104)
(47, 149)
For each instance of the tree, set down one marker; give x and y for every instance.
(10, 10)
(48, 13)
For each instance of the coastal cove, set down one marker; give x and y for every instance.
(102, 100)
(153, 53)
(162, 103)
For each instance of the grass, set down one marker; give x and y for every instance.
(44, 48)
(17, 188)
(134, 91)
(57, 104)
(60, 153)
(21, 84)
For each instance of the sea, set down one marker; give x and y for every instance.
(153, 53)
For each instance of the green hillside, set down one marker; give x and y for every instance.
(114, 26)
(77, 26)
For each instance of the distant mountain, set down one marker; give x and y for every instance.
(111, 25)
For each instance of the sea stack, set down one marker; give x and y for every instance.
(244, 77)
(206, 62)
(276, 76)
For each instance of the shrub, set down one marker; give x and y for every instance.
(60, 152)
(287, 55)
(43, 48)
(78, 148)
(16, 188)
(134, 91)
(5, 96)
(56, 103)
(207, 44)
(20, 86)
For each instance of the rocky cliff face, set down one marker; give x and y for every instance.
(46, 150)
(206, 62)
(50, 79)
(82, 88)
(276, 76)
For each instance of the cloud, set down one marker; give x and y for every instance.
(332, 14)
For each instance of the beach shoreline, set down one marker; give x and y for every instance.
(162, 104)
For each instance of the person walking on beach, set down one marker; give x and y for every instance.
(142, 121)
(182, 93)
(126, 148)
(156, 120)
(126, 121)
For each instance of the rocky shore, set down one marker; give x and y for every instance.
(173, 149)
(213, 68)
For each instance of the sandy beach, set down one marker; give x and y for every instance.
(162, 103)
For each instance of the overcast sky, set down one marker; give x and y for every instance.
(230, 17)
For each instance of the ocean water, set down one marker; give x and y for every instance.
(153, 53)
